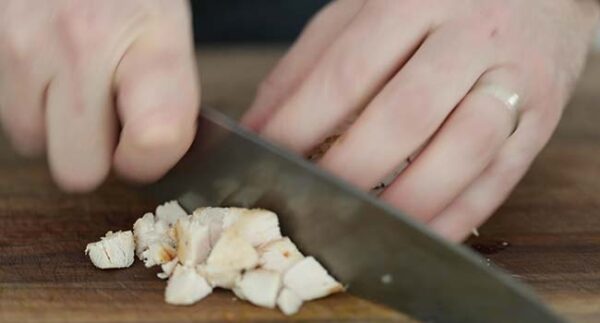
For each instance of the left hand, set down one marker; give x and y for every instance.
(414, 72)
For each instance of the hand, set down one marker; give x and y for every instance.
(414, 72)
(72, 73)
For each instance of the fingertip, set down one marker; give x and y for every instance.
(73, 179)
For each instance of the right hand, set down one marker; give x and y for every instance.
(74, 73)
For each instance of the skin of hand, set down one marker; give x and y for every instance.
(98, 84)
(409, 73)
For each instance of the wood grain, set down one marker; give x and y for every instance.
(551, 224)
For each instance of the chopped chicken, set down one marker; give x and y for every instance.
(309, 280)
(158, 253)
(219, 277)
(217, 219)
(193, 241)
(233, 248)
(168, 268)
(114, 250)
(259, 287)
(288, 302)
(257, 226)
(186, 287)
(232, 252)
(170, 212)
(153, 244)
(279, 255)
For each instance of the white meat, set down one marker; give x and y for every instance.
(288, 302)
(168, 268)
(193, 241)
(158, 253)
(259, 286)
(170, 212)
(232, 252)
(186, 287)
(309, 280)
(114, 250)
(279, 255)
(257, 226)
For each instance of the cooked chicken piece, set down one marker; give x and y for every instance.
(170, 212)
(114, 250)
(232, 252)
(168, 268)
(309, 280)
(186, 287)
(193, 241)
(217, 219)
(257, 226)
(219, 277)
(152, 232)
(259, 287)
(288, 302)
(279, 255)
(158, 253)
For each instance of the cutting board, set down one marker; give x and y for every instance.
(547, 234)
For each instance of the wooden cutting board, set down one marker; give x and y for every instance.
(551, 224)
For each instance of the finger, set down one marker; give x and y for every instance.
(486, 193)
(22, 97)
(24, 77)
(158, 100)
(293, 67)
(352, 70)
(80, 120)
(460, 151)
(411, 107)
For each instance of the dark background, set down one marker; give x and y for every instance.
(251, 21)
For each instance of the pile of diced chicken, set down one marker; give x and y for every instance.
(232, 248)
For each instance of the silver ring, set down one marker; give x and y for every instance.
(510, 99)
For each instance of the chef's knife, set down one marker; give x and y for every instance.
(381, 254)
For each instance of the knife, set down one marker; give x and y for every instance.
(380, 253)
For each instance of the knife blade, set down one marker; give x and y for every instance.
(381, 254)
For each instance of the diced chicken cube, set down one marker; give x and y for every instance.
(153, 232)
(232, 252)
(170, 212)
(193, 241)
(219, 277)
(168, 268)
(288, 302)
(257, 226)
(279, 255)
(259, 286)
(217, 219)
(186, 287)
(114, 250)
(158, 253)
(309, 280)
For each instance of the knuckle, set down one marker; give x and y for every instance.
(18, 44)
(80, 29)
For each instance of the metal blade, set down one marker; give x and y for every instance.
(358, 238)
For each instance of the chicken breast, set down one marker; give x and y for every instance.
(114, 250)
(232, 252)
(288, 302)
(279, 255)
(257, 226)
(193, 241)
(170, 212)
(186, 286)
(217, 219)
(309, 280)
(154, 245)
(259, 286)
(168, 268)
